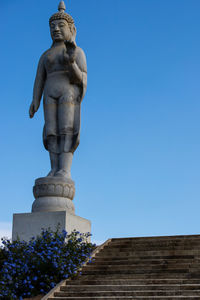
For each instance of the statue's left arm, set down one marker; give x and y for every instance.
(79, 78)
(79, 69)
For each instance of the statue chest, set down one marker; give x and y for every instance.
(55, 60)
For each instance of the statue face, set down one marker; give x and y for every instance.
(60, 31)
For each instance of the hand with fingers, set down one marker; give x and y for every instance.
(71, 51)
(33, 108)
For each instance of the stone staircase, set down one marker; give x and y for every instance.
(138, 268)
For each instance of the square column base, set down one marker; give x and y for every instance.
(27, 225)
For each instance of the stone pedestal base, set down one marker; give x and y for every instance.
(28, 225)
(53, 194)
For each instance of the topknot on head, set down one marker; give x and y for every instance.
(61, 6)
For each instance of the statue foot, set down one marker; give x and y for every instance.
(52, 173)
(63, 173)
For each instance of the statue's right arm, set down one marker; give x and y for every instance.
(38, 86)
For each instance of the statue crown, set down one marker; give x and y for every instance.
(61, 14)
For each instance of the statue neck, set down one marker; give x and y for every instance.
(56, 44)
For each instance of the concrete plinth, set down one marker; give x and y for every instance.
(27, 225)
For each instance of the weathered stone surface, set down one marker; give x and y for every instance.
(53, 194)
(54, 187)
(138, 268)
(30, 224)
(46, 204)
(62, 80)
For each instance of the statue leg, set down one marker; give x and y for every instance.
(65, 162)
(65, 128)
(54, 163)
(50, 116)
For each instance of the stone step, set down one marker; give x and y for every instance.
(127, 293)
(91, 276)
(156, 238)
(148, 252)
(154, 243)
(151, 248)
(179, 246)
(146, 258)
(144, 261)
(142, 287)
(169, 281)
(128, 297)
(162, 265)
(102, 271)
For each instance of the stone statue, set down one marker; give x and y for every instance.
(62, 80)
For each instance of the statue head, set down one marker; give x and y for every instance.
(62, 25)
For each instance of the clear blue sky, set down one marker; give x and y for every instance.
(137, 169)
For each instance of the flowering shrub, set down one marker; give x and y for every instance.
(29, 269)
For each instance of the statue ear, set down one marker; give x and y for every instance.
(73, 38)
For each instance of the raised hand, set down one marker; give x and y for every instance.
(71, 51)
